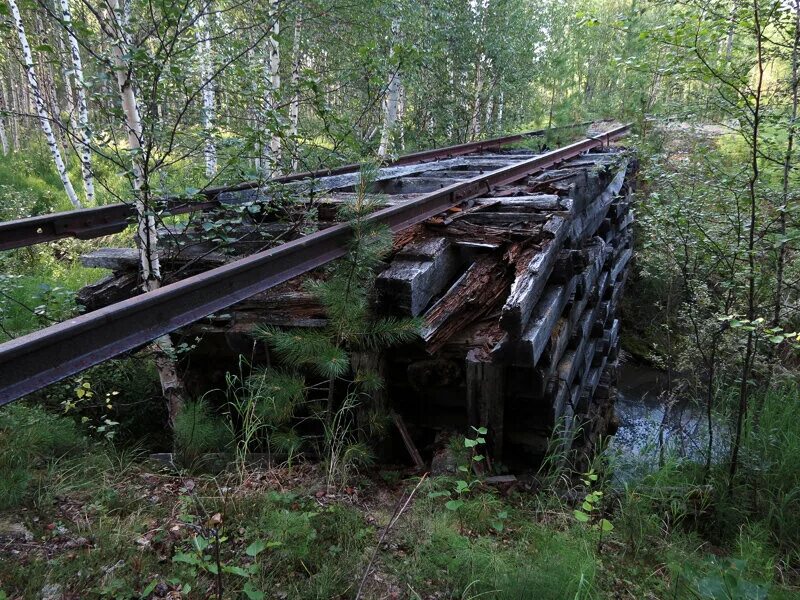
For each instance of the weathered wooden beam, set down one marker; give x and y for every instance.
(531, 281)
(408, 441)
(109, 290)
(505, 219)
(485, 382)
(127, 259)
(333, 182)
(549, 202)
(418, 272)
(540, 327)
(412, 185)
(564, 329)
(474, 294)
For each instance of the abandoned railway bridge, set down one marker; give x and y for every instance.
(515, 261)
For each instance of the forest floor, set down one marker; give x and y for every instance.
(111, 525)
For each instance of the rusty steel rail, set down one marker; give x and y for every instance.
(88, 223)
(33, 361)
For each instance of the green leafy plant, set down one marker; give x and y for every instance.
(590, 511)
(721, 579)
(463, 488)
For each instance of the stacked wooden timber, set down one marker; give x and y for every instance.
(518, 292)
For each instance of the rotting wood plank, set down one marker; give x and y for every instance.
(419, 272)
(485, 382)
(531, 281)
(476, 292)
(587, 223)
(548, 202)
(334, 182)
(543, 319)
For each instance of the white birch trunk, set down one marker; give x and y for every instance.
(3, 109)
(271, 152)
(83, 107)
(171, 385)
(500, 106)
(148, 238)
(392, 98)
(401, 111)
(451, 111)
(3, 138)
(205, 60)
(294, 107)
(69, 94)
(44, 119)
(475, 126)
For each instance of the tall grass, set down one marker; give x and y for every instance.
(29, 437)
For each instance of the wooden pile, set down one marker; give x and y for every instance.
(519, 294)
(518, 291)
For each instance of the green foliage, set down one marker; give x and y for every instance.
(29, 436)
(721, 580)
(198, 430)
(327, 354)
(556, 564)
(591, 509)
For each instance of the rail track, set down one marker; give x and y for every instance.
(33, 361)
(88, 223)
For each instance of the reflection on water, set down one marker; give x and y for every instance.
(643, 409)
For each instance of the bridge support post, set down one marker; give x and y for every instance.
(485, 382)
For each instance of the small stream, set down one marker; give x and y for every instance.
(641, 405)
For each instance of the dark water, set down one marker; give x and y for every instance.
(644, 408)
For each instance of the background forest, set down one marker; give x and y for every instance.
(105, 101)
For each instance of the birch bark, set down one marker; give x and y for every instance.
(500, 106)
(44, 118)
(271, 158)
(171, 384)
(3, 110)
(294, 108)
(209, 116)
(475, 125)
(83, 107)
(392, 98)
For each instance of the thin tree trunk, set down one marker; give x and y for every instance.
(500, 106)
(69, 94)
(392, 98)
(44, 118)
(475, 126)
(489, 113)
(787, 168)
(171, 384)
(749, 355)
(3, 109)
(271, 153)
(83, 107)
(294, 108)
(401, 111)
(13, 98)
(205, 58)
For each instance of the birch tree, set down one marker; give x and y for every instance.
(83, 107)
(205, 59)
(44, 118)
(171, 385)
(294, 107)
(3, 111)
(392, 99)
(271, 154)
